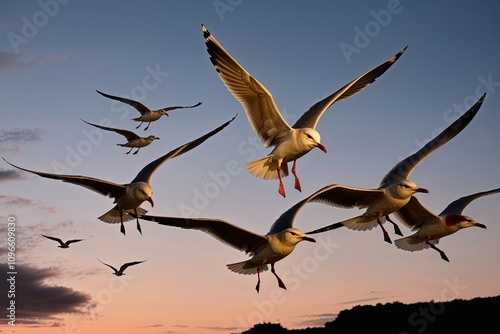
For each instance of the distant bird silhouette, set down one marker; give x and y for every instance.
(147, 115)
(278, 243)
(122, 268)
(128, 197)
(61, 243)
(134, 141)
(290, 142)
(430, 227)
(395, 190)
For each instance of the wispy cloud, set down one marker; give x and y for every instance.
(41, 302)
(10, 175)
(16, 201)
(13, 61)
(11, 140)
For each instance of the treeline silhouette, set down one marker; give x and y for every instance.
(473, 316)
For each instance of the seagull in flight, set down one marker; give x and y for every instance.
(430, 227)
(61, 243)
(147, 115)
(133, 140)
(127, 197)
(395, 190)
(289, 142)
(122, 268)
(264, 250)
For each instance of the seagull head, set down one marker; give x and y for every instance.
(462, 221)
(292, 236)
(142, 191)
(310, 138)
(406, 188)
(152, 137)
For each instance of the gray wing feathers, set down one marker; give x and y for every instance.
(145, 174)
(457, 206)
(403, 169)
(311, 117)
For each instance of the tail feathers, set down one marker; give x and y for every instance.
(266, 168)
(113, 215)
(246, 268)
(413, 244)
(361, 223)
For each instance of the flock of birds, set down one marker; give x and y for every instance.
(395, 194)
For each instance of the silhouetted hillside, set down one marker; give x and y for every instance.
(476, 315)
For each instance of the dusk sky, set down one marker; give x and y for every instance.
(55, 54)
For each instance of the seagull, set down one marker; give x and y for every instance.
(128, 197)
(61, 243)
(134, 141)
(122, 268)
(395, 190)
(289, 142)
(147, 115)
(430, 227)
(267, 249)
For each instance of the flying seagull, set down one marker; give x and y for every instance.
(264, 250)
(289, 142)
(395, 190)
(430, 227)
(133, 140)
(128, 197)
(122, 268)
(147, 115)
(61, 243)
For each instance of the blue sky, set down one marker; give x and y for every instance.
(55, 54)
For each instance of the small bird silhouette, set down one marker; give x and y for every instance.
(134, 140)
(123, 267)
(147, 115)
(61, 243)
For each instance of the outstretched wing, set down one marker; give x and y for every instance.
(223, 231)
(73, 240)
(145, 174)
(137, 105)
(311, 117)
(126, 133)
(456, 207)
(102, 187)
(403, 169)
(114, 269)
(126, 265)
(334, 195)
(261, 110)
(180, 107)
(414, 214)
(53, 238)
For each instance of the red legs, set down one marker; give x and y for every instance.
(396, 227)
(257, 287)
(386, 235)
(280, 282)
(281, 189)
(443, 255)
(297, 182)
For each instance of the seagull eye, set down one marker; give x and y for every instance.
(293, 233)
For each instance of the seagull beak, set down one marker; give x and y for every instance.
(150, 200)
(422, 190)
(480, 225)
(321, 147)
(308, 239)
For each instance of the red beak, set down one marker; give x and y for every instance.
(321, 147)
